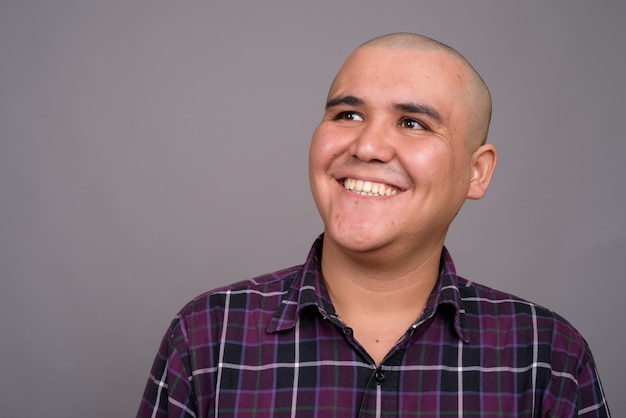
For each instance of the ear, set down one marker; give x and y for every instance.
(484, 161)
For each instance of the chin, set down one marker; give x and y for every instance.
(357, 241)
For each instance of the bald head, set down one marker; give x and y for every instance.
(477, 96)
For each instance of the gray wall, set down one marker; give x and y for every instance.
(152, 150)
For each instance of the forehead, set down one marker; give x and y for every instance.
(380, 76)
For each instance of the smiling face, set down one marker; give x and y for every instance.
(393, 160)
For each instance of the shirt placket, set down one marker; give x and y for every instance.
(380, 398)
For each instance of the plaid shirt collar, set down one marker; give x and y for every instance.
(309, 291)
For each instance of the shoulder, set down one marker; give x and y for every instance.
(475, 296)
(263, 292)
(505, 316)
(532, 337)
(481, 300)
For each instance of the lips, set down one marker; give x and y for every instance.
(369, 188)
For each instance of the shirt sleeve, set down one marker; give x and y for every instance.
(591, 399)
(575, 389)
(169, 391)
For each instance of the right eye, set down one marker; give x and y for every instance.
(348, 115)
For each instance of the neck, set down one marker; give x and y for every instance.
(379, 283)
(379, 297)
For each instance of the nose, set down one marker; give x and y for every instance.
(373, 143)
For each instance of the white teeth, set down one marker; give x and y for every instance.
(368, 188)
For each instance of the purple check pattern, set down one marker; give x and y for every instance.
(273, 347)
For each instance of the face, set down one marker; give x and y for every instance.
(389, 164)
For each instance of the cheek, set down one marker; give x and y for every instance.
(428, 162)
(321, 153)
(314, 150)
(325, 147)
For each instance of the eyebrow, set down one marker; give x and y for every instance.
(417, 108)
(344, 100)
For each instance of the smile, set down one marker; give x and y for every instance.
(369, 188)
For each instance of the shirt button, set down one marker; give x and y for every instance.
(379, 375)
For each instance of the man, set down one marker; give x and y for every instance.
(376, 322)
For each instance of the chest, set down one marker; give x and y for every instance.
(320, 367)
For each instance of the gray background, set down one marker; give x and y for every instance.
(152, 150)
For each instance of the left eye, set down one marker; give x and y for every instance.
(412, 124)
